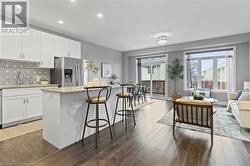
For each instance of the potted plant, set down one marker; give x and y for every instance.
(94, 68)
(175, 72)
(113, 78)
(197, 95)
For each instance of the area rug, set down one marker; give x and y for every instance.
(224, 125)
(19, 130)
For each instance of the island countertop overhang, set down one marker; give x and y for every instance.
(74, 89)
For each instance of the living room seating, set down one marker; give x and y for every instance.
(239, 105)
(240, 110)
(193, 112)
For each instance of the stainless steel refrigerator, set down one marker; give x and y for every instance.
(68, 72)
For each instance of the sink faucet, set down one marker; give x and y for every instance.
(19, 79)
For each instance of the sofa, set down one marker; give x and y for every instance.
(240, 110)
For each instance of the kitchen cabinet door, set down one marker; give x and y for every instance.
(47, 50)
(33, 106)
(60, 47)
(31, 46)
(11, 47)
(13, 109)
(74, 49)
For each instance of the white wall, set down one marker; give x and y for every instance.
(99, 54)
(242, 64)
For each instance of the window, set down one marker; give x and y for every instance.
(209, 69)
(207, 79)
(222, 73)
(192, 73)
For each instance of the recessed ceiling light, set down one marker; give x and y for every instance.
(72, 0)
(60, 22)
(99, 15)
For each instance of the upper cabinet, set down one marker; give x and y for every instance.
(31, 46)
(74, 49)
(67, 48)
(11, 47)
(37, 46)
(61, 46)
(47, 50)
(21, 47)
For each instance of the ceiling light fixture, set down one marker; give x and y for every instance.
(161, 38)
(99, 15)
(60, 22)
(72, 0)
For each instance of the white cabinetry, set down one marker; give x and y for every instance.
(47, 50)
(13, 109)
(12, 47)
(21, 105)
(37, 46)
(74, 49)
(31, 46)
(21, 47)
(60, 47)
(33, 106)
(67, 48)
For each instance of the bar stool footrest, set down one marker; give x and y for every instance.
(118, 112)
(94, 120)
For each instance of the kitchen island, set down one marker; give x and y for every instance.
(64, 111)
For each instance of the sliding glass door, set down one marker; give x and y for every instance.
(153, 76)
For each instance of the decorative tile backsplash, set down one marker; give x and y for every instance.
(28, 72)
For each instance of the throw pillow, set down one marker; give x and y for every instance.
(245, 96)
(239, 92)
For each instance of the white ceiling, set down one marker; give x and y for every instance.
(129, 25)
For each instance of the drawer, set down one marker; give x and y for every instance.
(20, 92)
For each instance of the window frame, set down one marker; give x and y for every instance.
(231, 76)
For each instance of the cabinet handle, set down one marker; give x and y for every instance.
(27, 100)
(24, 101)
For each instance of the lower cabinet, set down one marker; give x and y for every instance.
(13, 109)
(21, 108)
(33, 107)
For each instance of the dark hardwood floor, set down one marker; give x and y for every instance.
(149, 143)
(24, 149)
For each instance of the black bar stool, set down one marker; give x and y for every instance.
(102, 98)
(125, 96)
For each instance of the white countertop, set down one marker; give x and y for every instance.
(71, 89)
(27, 86)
